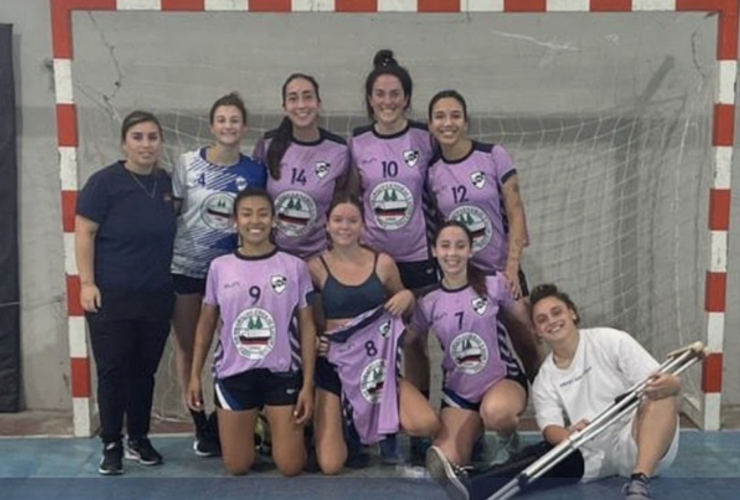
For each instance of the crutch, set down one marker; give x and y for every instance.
(675, 363)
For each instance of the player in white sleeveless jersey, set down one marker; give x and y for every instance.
(258, 298)
(389, 160)
(306, 165)
(205, 182)
(477, 184)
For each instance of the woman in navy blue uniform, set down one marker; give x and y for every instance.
(125, 228)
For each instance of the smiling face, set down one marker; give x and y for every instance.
(228, 125)
(388, 100)
(301, 103)
(453, 251)
(448, 122)
(344, 225)
(143, 144)
(553, 320)
(254, 220)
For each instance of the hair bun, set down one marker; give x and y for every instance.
(384, 58)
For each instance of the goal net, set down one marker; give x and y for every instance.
(607, 116)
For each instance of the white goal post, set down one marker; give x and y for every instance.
(618, 113)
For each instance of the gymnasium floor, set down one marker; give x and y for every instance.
(707, 467)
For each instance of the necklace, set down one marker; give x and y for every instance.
(141, 185)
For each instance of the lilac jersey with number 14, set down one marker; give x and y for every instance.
(309, 172)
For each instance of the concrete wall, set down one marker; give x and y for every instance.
(114, 73)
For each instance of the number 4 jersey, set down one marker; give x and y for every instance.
(258, 300)
(366, 354)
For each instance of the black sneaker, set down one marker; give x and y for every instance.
(206, 442)
(143, 451)
(452, 478)
(111, 463)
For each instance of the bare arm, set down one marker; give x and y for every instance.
(517, 231)
(85, 231)
(402, 300)
(207, 322)
(304, 405)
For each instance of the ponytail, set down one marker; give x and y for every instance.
(278, 146)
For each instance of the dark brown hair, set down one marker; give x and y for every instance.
(476, 276)
(546, 290)
(385, 64)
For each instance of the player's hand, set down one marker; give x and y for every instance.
(578, 426)
(661, 386)
(90, 298)
(304, 405)
(512, 278)
(195, 395)
(322, 345)
(400, 303)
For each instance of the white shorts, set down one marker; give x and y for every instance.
(615, 453)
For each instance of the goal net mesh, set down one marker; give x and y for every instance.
(608, 118)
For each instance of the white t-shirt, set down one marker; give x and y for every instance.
(607, 363)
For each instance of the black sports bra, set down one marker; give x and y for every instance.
(342, 301)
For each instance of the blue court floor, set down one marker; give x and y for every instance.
(707, 467)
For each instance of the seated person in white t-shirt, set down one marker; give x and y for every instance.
(584, 373)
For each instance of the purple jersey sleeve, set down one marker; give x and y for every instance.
(211, 284)
(260, 151)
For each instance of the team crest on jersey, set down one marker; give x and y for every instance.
(372, 381)
(241, 183)
(477, 223)
(296, 213)
(385, 329)
(411, 156)
(254, 333)
(392, 204)
(278, 282)
(480, 304)
(217, 211)
(469, 353)
(322, 168)
(478, 179)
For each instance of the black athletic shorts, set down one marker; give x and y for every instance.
(453, 400)
(326, 376)
(185, 285)
(257, 388)
(419, 274)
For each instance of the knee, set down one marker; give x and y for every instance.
(424, 425)
(498, 420)
(330, 466)
(290, 468)
(235, 469)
